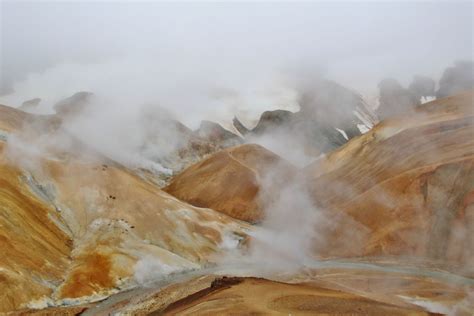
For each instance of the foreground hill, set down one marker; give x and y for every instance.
(265, 297)
(75, 226)
(408, 184)
(325, 291)
(228, 181)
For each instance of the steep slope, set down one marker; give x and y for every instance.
(74, 104)
(76, 226)
(12, 119)
(35, 251)
(228, 181)
(409, 182)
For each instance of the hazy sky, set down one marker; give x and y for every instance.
(236, 44)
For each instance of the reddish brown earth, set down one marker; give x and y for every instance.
(320, 292)
(74, 224)
(228, 181)
(408, 184)
(263, 297)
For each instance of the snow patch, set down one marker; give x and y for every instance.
(424, 100)
(432, 307)
(343, 133)
(363, 128)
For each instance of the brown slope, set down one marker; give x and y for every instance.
(228, 296)
(364, 291)
(409, 181)
(12, 119)
(34, 251)
(74, 225)
(228, 181)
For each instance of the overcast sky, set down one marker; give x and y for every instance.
(355, 43)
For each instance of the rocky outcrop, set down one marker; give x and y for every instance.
(325, 109)
(74, 104)
(239, 126)
(271, 120)
(456, 79)
(422, 87)
(228, 181)
(174, 146)
(30, 104)
(395, 99)
(217, 135)
(404, 188)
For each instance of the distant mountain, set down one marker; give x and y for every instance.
(74, 104)
(329, 116)
(30, 104)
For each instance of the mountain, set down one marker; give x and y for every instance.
(163, 144)
(30, 104)
(191, 146)
(216, 134)
(76, 226)
(228, 181)
(326, 109)
(74, 104)
(456, 79)
(403, 188)
(407, 185)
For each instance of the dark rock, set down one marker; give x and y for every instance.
(395, 99)
(74, 104)
(30, 104)
(422, 87)
(240, 127)
(456, 79)
(218, 135)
